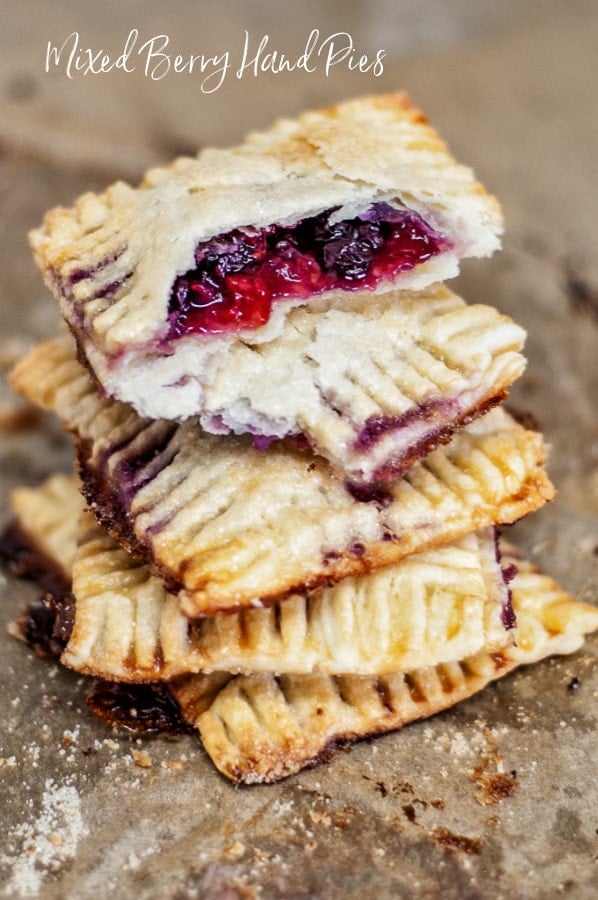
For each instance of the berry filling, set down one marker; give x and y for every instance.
(240, 274)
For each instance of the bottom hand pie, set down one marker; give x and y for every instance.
(265, 726)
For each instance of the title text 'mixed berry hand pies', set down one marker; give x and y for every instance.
(229, 526)
(432, 607)
(168, 286)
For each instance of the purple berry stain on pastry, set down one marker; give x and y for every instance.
(78, 274)
(373, 492)
(136, 468)
(357, 549)
(507, 616)
(296, 440)
(508, 571)
(436, 413)
(262, 441)
(238, 275)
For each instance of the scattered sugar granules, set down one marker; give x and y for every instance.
(47, 842)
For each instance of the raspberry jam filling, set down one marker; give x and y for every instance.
(240, 274)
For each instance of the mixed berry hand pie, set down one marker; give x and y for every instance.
(228, 526)
(373, 383)
(261, 728)
(170, 287)
(291, 464)
(433, 607)
(264, 726)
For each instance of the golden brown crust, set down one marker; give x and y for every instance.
(431, 608)
(112, 261)
(260, 728)
(226, 524)
(48, 517)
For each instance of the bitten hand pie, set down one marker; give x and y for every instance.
(158, 283)
(228, 526)
(433, 607)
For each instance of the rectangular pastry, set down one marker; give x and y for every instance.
(433, 607)
(370, 383)
(377, 382)
(228, 526)
(261, 728)
(167, 285)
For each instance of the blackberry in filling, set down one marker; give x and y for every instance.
(240, 274)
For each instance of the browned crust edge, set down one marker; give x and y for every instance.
(109, 511)
(442, 436)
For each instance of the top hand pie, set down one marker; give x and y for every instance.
(159, 282)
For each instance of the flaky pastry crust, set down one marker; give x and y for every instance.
(433, 607)
(138, 239)
(261, 728)
(228, 526)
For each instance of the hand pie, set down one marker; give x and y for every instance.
(371, 383)
(160, 283)
(228, 526)
(261, 728)
(432, 607)
(376, 381)
(41, 543)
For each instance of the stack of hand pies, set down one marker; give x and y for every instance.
(291, 458)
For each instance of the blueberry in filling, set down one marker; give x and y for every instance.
(238, 275)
